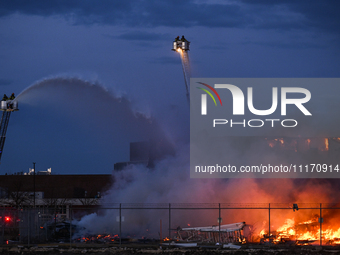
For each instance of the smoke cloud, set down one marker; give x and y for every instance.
(109, 117)
(169, 182)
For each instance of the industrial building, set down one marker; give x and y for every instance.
(18, 190)
(146, 153)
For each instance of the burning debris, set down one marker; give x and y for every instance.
(305, 144)
(298, 224)
(301, 233)
(106, 238)
(228, 233)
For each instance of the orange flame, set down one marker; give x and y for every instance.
(303, 233)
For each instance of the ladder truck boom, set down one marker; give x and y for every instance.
(183, 46)
(8, 105)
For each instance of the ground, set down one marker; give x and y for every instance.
(138, 249)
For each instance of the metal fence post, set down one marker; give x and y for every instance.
(160, 231)
(269, 224)
(219, 223)
(169, 223)
(70, 218)
(3, 228)
(28, 226)
(120, 224)
(321, 220)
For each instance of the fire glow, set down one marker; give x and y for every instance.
(301, 144)
(104, 238)
(302, 233)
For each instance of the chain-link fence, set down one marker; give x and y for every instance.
(122, 223)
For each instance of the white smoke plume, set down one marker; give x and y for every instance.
(94, 108)
(169, 182)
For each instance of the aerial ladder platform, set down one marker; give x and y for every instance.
(8, 105)
(183, 46)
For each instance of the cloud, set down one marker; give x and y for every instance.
(142, 36)
(131, 13)
(166, 60)
(299, 45)
(4, 82)
(262, 14)
(66, 7)
(321, 15)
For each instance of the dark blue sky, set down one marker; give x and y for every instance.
(125, 46)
